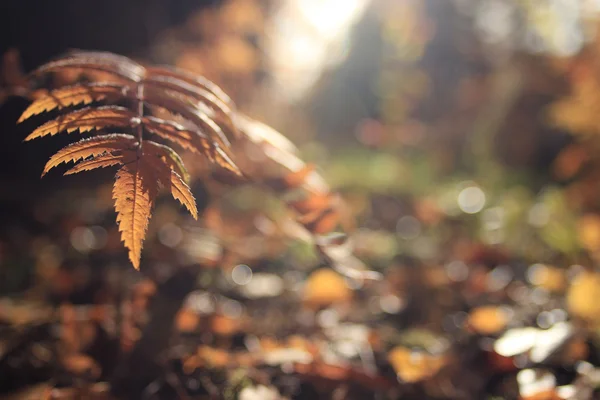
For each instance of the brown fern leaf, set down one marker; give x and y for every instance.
(192, 140)
(203, 104)
(198, 117)
(176, 181)
(104, 160)
(167, 155)
(181, 191)
(120, 66)
(133, 72)
(192, 79)
(223, 160)
(206, 102)
(135, 189)
(193, 112)
(264, 135)
(91, 147)
(178, 134)
(72, 95)
(137, 186)
(84, 120)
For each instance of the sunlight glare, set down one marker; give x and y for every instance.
(306, 37)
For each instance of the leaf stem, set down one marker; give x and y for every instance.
(140, 111)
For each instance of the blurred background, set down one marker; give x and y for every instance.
(463, 136)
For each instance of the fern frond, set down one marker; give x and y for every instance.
(135, 189)
(194, 141)
(117, 65)
(195, 80)
(223, 160)
(103, 160)
(208, 103)
(84, 120)
(197, 116)
(73, 95)
(90, 147)
(193, 112)
(181, 191)
(167, 155)
(264, 135)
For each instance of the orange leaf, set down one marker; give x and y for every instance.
(134, 192)
(90, 147)
(182, 192)
(72, 95)
(85, 120)
(104, 160)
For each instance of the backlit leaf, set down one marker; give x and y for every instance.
(72, 95)
(85, 120)
(135, 189)
(90, 147)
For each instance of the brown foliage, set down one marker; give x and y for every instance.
(191, 113)
(201, 122)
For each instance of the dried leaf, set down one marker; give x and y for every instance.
(223, 160)
(192, 79)
(181, 105)
(195, 141)
(181, 191)
(72, 95)
(120, 66)
(135, 189)
(85, 120)
(168, 156)
(104, 160)
(206, 101)
(90, 147)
